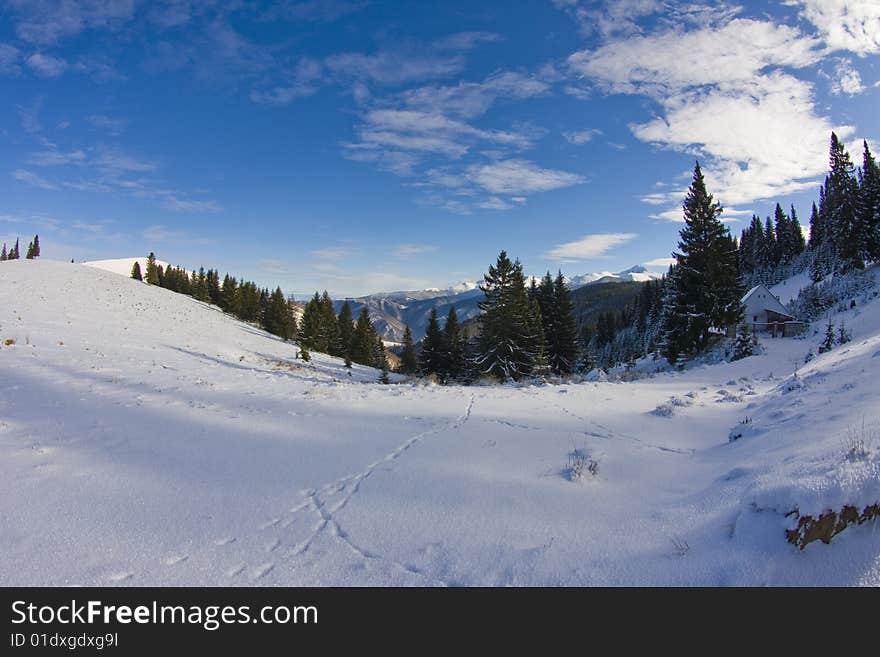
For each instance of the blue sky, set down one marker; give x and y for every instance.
(359, 146)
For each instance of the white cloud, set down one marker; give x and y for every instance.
(393, 67)
(112, 126)
(469, 100)
(9, 60)
(406, 251)
(45, 22)
(852, 25)
(465, 40)
(32, 179)
(304, 82)
(518, 177)
(57, 158)
(46, 66)
(727, 99)
(589, 246)
(331, 253)
(660, 262)
(581, 137)
(673, 60)
(846, 79)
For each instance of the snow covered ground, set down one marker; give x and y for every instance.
(148, 439)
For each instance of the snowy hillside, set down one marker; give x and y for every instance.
(148, 439)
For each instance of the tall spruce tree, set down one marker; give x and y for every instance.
(3, 255)
(278, 319)
(13, 254)
(37, 241)
(849, 234)
(453, 347)
(508, 344)
(869, 203)
(561, 334)
(431, 359)
(345, 321)
(363, 346)
(151, 276)
(707, 290)
(136, 271)
(409, 363)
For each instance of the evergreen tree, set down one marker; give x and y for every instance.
(508, 344)
(304, 353)
(346, 329)
(828, 341)
(228, 296)
(849, 234)
(278, 319)
(561, 333)
(151, 275)
(29, 254)
(13, 254)
(431, 359)
(330, 333)
(453, 346)
(3, 255)
(744, 345)
(363, 346)
(706, 290)
(869, 203)
(136, 271)
(310, 329)
(37, 243)
(408, 360)
(797, 241)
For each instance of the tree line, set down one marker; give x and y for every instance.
(33, 250)
(241, 299)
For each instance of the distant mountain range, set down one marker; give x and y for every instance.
(391, 312)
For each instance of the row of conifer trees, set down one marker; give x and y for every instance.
(33, 250)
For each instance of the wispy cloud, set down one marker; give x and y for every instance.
(9, 57)
(660, 263)
(518, 176)
(846, 79)
(45, 22)
(46, 66)
(581, 137)
(33, 179)
(465, 40)
(407, 251)
(589, 246)
(331, 253)
(113, 126)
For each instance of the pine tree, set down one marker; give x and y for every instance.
(798, 243)
(453, 347)
(310, 328)
(828, 341)
(705, 289)
(29, 254)
(346, 329)
(869, 203)
(849, 234)
(278, 319)
(3, 255)
(363, 346)
(744, 345)
(330, 335)
(304, 353)
(431, 358)
(507, 344)
(13, 254)
(151, 275)
(37, 245)
(136, 271)
(408, 360)
(561, 334)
